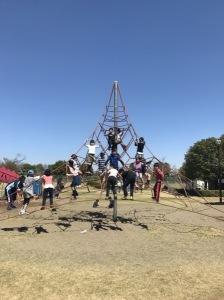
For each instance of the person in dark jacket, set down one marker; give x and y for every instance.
(110, 137)
(11, 190)
(101, 163)
(129, 178)
(140, 144)
(114, 158)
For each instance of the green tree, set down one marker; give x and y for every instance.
(58, 168)
(39, 169)
(201, 160)
(13, 164)
(26, 167)
(166, 168)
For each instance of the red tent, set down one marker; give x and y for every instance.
(7, 175)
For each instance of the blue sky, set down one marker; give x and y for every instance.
(58, 60)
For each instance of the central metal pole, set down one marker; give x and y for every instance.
(115, 105)
(115, 130)
(220, 174)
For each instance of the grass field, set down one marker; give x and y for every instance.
(171, 250)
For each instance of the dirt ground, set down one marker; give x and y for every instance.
(170, 250)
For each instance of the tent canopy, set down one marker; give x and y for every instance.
(7, 175)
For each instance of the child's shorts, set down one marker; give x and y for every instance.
(76, 181)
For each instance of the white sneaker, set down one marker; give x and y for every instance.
(22, 212)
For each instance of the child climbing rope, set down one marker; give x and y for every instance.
(91, 154)
(138, 168)
(118, 139)
(158, 174)
(140, 143)
(28, 190)
(74, 158)
(114, 158)
(48, 188)
(101, 163)
(110, 137)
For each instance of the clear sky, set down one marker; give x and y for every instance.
(59, 58)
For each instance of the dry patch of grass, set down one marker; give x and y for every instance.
(46, 281)
(180, 257)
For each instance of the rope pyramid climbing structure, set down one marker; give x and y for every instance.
(115, 130)
(114, 133)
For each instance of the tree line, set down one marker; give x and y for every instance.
(204, 160)
(20, 167)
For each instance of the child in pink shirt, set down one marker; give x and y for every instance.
(48, 188)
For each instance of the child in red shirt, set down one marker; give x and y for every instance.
(158, 173)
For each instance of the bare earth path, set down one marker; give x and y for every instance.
(154, 251)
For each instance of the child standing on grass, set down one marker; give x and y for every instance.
(48, 188)
(74, 172)
(111, 185)
(28, 192)
(158, 173)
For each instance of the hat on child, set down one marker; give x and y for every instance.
(30, 172)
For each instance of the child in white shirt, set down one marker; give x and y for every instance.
(91, 154)
(111, 185)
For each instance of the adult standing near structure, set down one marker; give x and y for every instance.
(129, 178)
(159, 176)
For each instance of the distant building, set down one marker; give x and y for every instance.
(198, 184)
